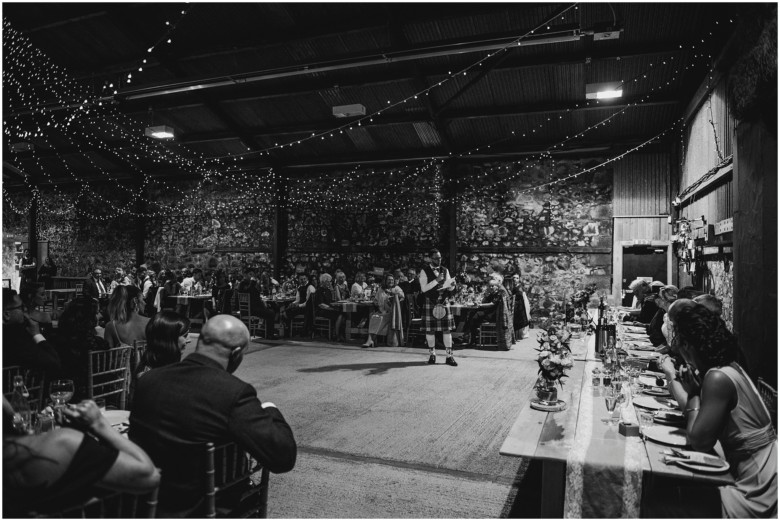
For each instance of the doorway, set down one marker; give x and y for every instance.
(650, 262)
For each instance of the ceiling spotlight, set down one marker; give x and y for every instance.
(607, 90)
(159, 132)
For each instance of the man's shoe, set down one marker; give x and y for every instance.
(451, 361)
(432, 359)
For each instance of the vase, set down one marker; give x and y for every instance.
(547, 394)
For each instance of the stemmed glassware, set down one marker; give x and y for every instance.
(60, 392)
(611, 399)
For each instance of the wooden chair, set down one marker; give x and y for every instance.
(108, 374)
(228, 466)
(113, 505)
(414, 327)
(488, 335)
(252, 322)
(139, 348)
(322, 326)
(769, 396)
(33, 380)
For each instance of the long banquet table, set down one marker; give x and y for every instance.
(589, 469)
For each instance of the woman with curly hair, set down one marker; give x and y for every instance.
(720, 403)
(126, 325)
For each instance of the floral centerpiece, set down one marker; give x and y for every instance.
(578, 310)
(554, 359)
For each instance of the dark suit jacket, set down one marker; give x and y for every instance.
(20, 349)
(91, 289)
(195, 401)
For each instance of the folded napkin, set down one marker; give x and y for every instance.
(696, 458)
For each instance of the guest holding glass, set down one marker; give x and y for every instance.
(720, 403)
(387, 319)
(49, 472)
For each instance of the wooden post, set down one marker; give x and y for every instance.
(141, 206)
(448, 218)
(280, 233)
(755, 248)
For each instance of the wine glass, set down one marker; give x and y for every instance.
(60, 392)
(611, 400)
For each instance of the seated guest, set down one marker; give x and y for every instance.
(171, 286)
(125, 325)
(302, 296)
(198, 400)
(33, 297)
(49, 472)
(359, 287)
(323, 298)
(387, 320)
(256, 304)
(94, 287)
(193, 283)
(644, 294)
(47, 272)
(521, 319)
(23, 343)
(689, 292)
(340, 287)
(167, 335)
(721, 403)
(710, 302)
(666, 296)
(76, 337)
(494, 308)
(120, 279)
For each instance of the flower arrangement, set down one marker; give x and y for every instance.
(554, 356)
(578, 311)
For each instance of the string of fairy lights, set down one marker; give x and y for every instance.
(306, 191)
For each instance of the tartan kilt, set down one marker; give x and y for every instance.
(431, 324)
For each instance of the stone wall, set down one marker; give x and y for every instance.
(15, 229)
(723, 287)
(574, 213)
(232, 226)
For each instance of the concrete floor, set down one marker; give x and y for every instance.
(381, 434)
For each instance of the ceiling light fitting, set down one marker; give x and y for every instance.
(609, 90)
(348, 111)
(159, 132)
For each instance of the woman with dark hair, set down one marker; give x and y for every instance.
(166, 337)
(76, 337)
(65, 467)
(33, 297)
(721, 403)
(125, 324)
(521, 319)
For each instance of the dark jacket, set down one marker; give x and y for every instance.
(19, 348)
(196, 401)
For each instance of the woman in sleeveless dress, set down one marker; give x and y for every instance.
(721, 403)
(126, 325)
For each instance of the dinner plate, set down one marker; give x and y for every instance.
(656, 391)
(697, 467)
(668, 417)
(115, 416)
(666, 434)
(649, 381)
(650, 402)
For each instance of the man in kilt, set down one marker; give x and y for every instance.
(435, 282)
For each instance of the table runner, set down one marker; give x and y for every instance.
(604, 468)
